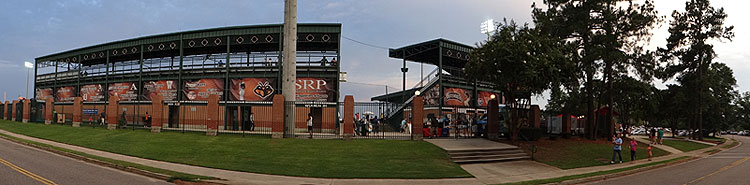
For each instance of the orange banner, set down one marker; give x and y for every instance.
(483, 97)
(166, 88)
(316, 89)
(457, 97)
(127, 91)
(199, 90)
(65, 94)
(92, 92)
(43, 93)
(252, 89)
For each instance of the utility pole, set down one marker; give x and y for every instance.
(289, 65)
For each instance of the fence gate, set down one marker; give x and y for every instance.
(2, 112)
(37, 109)
(239, 117)
(94, 114)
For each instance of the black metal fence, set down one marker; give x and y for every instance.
(371, 121)
(314, 120)
(94, 114)
(245, 118)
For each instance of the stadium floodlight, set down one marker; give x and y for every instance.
(488, 26)
(28, 66)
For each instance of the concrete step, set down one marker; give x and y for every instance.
(485, 152)
(491, 160)
(488, 156)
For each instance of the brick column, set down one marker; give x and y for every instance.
(277, 114)
(348, 117)
(14, 111)
(535, 114)
(5, 114)
(112, 112)
(417, 116)
(212, 119)
(48, 107)
(493, 126)
(77, 111)
(26, 109)
(157, 106)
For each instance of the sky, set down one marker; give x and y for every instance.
(33, 28)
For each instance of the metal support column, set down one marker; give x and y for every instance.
(226, 85)
(440, 79)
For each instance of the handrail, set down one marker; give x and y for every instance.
(423, 89)
(426, 78)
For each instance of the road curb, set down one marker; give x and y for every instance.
(94, 161)
(623, 173)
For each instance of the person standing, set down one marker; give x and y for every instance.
(403, 125)
(252, 122)
(309, 124)
(652, 135)
(633, 146)
(660, 135)
(617, 149)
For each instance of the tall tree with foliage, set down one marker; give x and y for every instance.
(607, 37)
(520, 61)
(688, 50)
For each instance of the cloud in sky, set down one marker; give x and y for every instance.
(33, 28)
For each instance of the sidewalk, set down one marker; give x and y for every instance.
(490, 173)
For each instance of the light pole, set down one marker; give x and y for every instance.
(28, 66)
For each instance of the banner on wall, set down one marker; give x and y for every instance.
(316, 89)
(483, 97)
(457, 97)
(199, 90)
(127, 91)
(432, 96)
(65, 94)
(166, 88)
(43, 93)
(92, 92)
(252, 89)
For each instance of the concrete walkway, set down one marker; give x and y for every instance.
(490, 173)
(644, 139)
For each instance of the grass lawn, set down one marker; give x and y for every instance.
(577, 152)
(717, 140)
(259, 154)
(684, 145)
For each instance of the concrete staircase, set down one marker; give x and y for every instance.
(487, 155)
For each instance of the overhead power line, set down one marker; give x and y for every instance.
(363, 43)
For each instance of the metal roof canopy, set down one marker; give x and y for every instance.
(454, 54)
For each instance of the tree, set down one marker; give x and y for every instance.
(521, 62)
(606, 37)
(688, 50)
(635, 99)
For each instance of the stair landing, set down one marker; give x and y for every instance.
(478, 150)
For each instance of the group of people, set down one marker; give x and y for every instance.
(364, 125)
(656, 136)
(617, 150)
(464, 126)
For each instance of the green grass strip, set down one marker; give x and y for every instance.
(173, 174)
(592, 174)
(685, 145)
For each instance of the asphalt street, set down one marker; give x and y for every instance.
(20, 164)
(726, 168)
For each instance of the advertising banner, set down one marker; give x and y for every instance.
(252, 89)
(92, 92)
(432, 96)
(44, 93)
(166, 88)
(127, 91)
(484, 96)
(65, 94)
(199, 90)
(316, 89)
(457, 97)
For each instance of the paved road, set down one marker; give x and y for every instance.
(20, 164)
(726, 168)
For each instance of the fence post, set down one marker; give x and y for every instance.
(493, 127)
(157, 105)
(14, 111)
(112, 112)
(277, 114)
(212, 120)
(5, 114)
(417, 110)
(348, 117)
(26, 109)
(77, 111)
(48, 107)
